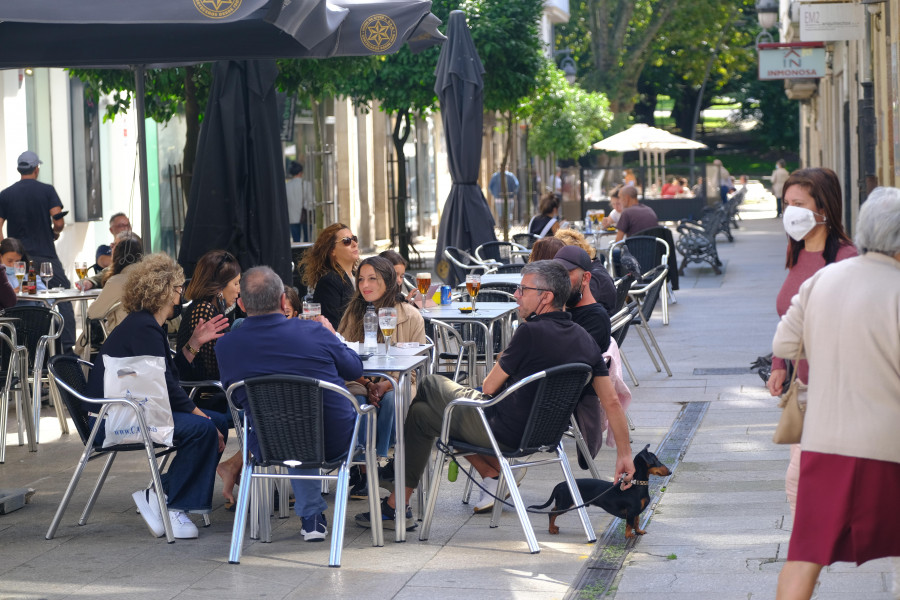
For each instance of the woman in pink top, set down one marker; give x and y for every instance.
(812, 220)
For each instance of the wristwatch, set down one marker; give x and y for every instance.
(191, 349)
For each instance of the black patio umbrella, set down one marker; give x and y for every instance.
(238, 200)
(466, 221)
(119, 33)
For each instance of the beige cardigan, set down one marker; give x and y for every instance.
(848, 316)
(113, 290)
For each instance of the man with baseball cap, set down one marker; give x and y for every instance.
(33, 213)
(585, 310)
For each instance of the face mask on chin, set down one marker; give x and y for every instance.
(798, 222)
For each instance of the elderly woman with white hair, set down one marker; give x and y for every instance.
(846, 322)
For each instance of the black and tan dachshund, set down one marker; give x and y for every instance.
(627, 504)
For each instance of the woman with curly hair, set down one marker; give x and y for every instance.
(214, 289)
(328, 267)
(378, 288)
(152, 292)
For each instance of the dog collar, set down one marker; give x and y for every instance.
(636, 482)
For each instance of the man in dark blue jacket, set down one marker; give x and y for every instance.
(268, 343)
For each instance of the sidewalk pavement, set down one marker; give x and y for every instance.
(719, 530)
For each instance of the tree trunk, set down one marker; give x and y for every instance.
(504, 191)
(318, 165)
(192, 133)
(399, 141)
(645, 109)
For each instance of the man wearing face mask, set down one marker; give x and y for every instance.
(585, 310)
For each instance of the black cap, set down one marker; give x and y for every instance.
(573, 257)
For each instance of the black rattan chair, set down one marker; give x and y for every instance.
(67, 375)
(288, 422)
(647, 294)
(525, 239)
(501, 252)
(13, 372)
(556, 392)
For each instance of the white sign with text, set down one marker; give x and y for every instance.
(832, 22)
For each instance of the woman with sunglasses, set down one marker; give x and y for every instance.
(328, 267)
(379, 288)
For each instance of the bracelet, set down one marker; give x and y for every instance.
(191, 349)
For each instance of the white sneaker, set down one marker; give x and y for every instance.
(148, 507)
(182, 526)
(486, 502)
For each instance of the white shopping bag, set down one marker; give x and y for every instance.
(142, 378)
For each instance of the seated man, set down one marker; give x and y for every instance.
(635, 216)
(585, 310)
(267, 343)
(118, 223)
(97, 280)
(541, 298)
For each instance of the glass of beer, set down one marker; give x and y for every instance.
(311, 310)
(81, 269)
(20, 273)
(387, 321)
(423, 283)
(473, 286)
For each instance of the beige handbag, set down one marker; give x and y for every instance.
(793, 405)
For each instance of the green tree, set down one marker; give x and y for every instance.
(317, 80)
(777, 117)
(565, 119)
(509, 45)
(167, 91)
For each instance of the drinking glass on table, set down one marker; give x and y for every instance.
(387, 321)
(46, 275)
(20, 274)
(81, 269)
(311, 310)
(473, 286)
(423, 283)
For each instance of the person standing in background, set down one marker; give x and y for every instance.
(779, 177)
(35, 217)
(300, 203)
(118, 223)
(723, 180)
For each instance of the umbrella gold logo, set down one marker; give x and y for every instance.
(378, 33)
(217, 9)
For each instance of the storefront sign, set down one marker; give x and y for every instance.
(832, 22)
(791, 61)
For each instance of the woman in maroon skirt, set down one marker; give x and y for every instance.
(847, 317)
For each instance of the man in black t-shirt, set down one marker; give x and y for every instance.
(33, 213)
(585, 310)
(535, 346)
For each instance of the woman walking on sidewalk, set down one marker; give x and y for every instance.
(812, 219)
(846, 319)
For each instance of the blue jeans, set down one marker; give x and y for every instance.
(189, 480)
(385, 433)
(308, 499)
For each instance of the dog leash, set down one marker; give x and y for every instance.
(444, 449)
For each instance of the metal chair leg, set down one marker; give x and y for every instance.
(67, 495)
(524, 521)
(625, 362)
(240, 516)
(576, 495)
(101, 479)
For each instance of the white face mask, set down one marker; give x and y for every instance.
(798, 222)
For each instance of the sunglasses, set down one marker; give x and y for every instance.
(347, 240)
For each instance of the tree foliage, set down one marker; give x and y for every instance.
(778, 118)
(565, 119)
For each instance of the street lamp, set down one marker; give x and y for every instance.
(567, 65)
(767, 13)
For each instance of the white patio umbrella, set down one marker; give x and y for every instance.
(649, 141)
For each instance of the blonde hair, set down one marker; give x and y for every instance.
(150, 283)
(570, 237)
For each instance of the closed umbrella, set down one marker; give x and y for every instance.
(238, 200)
(466, 221)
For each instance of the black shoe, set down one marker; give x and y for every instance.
(360, 491)
(386, 473)
(356, 476)
(314, 528)
(388, 518)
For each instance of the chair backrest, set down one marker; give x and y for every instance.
(68, 374)
(33, 323)
(555, 395)
(525, 239)
(509, 288)
(461, 258)
(665, 234)
(288, 419)
(495, 295)
(648, 250)
(497, 251)
(448, 345)
(623, 285)
(655, 280)
(511, 268)
(621, 321)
